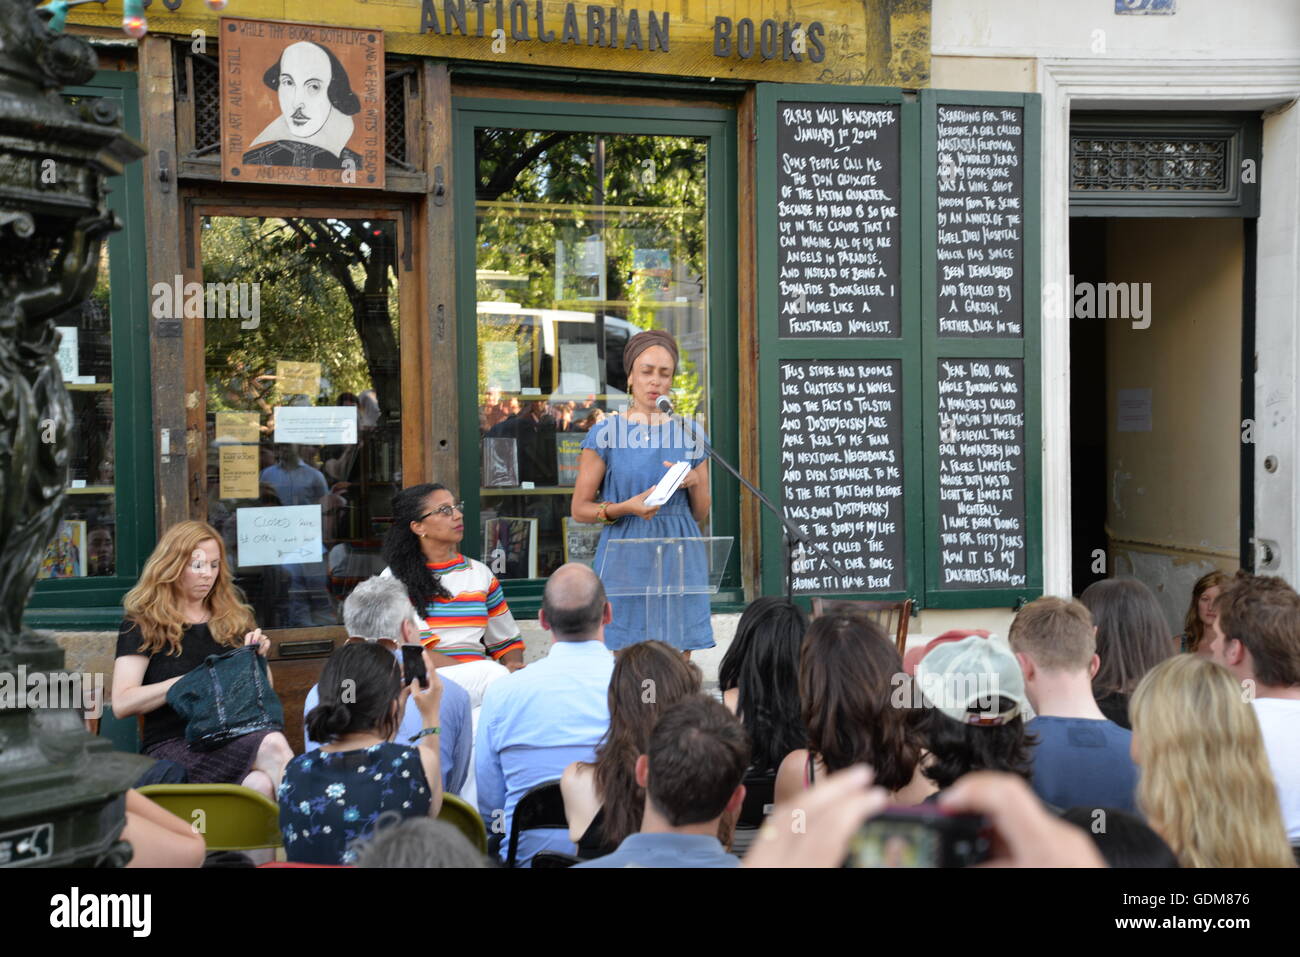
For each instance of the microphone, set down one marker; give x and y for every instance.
(664, 405)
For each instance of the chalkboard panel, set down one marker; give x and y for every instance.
(980, 221)
(982, 531)
(837, 219)
(842, 470)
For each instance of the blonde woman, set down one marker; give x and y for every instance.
(1205, 784)
(183, 609)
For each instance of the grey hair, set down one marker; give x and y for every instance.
(376, 609)
(416, 842)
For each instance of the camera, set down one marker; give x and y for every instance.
(922, 836)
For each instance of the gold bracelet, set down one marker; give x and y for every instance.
(603, 516)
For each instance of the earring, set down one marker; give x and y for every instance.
(422, 534)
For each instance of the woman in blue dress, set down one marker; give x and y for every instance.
(623, 458)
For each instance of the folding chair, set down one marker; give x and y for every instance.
(760, 794)
(541, 808)
(458, 813)
(230, 817)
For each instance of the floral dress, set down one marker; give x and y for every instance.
(330, 799)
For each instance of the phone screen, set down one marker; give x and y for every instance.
(413, 668)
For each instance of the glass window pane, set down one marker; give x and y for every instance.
(303, 406)
(86, 542)
(583, 240)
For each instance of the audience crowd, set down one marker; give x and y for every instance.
(1087, 737)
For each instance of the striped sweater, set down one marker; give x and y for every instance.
(475, 623)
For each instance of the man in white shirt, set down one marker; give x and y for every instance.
(1256, 636)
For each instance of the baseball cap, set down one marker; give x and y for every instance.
(914, 655)
(964, 679)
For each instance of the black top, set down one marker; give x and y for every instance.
(592, 844)
(1115, 707)
(196, 644)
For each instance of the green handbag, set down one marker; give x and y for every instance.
(226, 697)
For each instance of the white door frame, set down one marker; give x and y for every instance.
(1271, 86)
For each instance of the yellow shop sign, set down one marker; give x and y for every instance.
(824, 41)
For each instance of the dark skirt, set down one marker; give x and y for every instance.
(228, 764)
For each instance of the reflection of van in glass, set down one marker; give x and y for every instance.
(535, 361)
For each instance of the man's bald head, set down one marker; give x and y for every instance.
(574, 603)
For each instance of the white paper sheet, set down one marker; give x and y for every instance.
(579, 368)
(284, 535)
(68, 357)
(1133, 410)
(316, 425)
(669, 484)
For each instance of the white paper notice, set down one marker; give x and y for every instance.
(67, 356)
(501, 362)
(287, 535)
(579, 368)
(316, 425)
(1133, 410)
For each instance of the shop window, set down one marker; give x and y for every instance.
(582, 224)
(582, 240)
(302, 369)
(108, 515)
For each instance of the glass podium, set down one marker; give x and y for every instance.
(671, 574)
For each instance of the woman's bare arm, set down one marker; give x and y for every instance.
(129, 695)
(591, 472)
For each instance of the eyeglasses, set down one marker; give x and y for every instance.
(444, 511)
(381, 642)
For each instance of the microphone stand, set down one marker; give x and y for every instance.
(795, 537)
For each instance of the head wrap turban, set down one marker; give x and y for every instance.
(642, 341)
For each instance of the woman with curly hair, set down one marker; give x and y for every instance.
(1205, 784)
(184, 608)
(466, 622)
(602, 801)
(846, 682)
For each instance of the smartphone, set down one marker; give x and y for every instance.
(413, 668)
(921, 836)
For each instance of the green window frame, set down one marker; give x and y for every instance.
(919, 347)
(719, 127)
(86, 603)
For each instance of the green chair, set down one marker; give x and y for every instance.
(230, 817)
(460, 815)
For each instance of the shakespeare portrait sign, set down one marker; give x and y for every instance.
(301, 104)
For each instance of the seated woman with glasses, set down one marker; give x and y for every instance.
(185, 608)
(468, 625)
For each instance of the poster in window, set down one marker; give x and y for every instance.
(580, 541)
(65, 556)
(500, 463)
(510, 545)
(301, 104)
